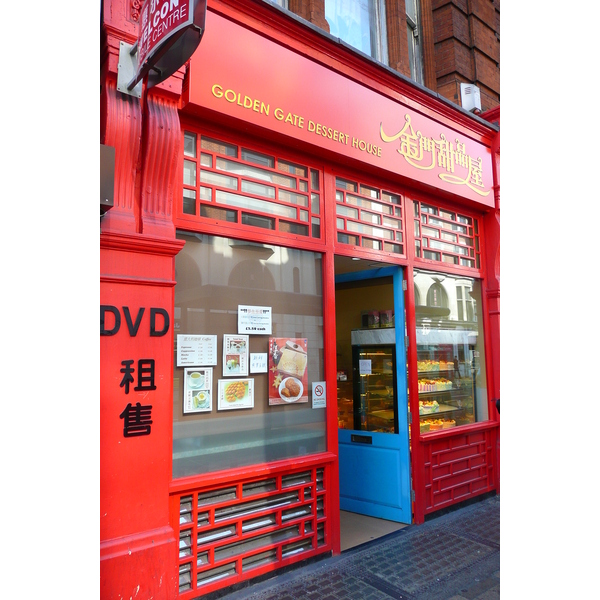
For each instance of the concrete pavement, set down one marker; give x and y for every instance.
(453, 556)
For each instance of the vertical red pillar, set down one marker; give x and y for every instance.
(333, 520)
(138, 547)
(492, 291)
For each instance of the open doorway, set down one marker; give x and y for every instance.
(356, 529)
(372, 400)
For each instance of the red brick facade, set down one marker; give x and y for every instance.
(460, 43)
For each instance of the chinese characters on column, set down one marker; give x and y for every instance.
(145, 374)
(136, 419)
(137, 374)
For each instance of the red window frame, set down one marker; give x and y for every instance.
(224, 219)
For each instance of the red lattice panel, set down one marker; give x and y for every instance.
(446, 236)
(238, 185)
(234, 532)
(369, 217)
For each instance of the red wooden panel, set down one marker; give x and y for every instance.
(449, 482)
(457, 468)
(446, 456)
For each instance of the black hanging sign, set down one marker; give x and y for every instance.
(170, 32)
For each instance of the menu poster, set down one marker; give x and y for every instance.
(235, 355)
(193, 350)
(234, 394)
(288, 376)
(255, 320)
(197, 391)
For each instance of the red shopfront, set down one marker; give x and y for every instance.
(262, 177)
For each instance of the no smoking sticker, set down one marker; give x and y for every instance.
(319, 394)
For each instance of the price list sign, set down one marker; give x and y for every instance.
(254, 320)
(195, 350)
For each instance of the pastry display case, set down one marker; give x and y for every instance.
(368, 401)
(450, 356)
(345, 395)
(374, 392)
(446, 390)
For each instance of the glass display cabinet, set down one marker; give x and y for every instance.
(368, 401)
(374, 369)
(450, 357)
(446, 387)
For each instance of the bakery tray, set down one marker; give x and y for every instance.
(382, 414)
(444, 409)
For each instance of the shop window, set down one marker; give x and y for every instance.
(452, 383)
(260, 159)
(296, 280)
(465, 303)
(369, 217)
(240, 185)
(189, 144)
(361, 24)
(251, 274)
(437, 296)
(446, 236)
(214, 429)
(417, 297)
(413, 28)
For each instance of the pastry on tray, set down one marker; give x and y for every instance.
(428, 406)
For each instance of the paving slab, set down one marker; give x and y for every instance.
(454, 556)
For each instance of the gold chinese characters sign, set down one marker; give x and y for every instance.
(428, 153)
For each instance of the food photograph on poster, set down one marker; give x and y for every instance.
(197, 396)
(234, 394)
(235, 355)
(288, 376)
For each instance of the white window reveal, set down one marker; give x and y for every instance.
(413, 27)
(361, 24)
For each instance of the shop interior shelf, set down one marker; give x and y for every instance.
(379, 390)
(444, 409)
(382, 414)
(457, 393)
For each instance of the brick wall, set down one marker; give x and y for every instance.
(311, 10)
(464, 46)
(467, 48)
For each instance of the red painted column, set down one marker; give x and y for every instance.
(492, 291)
(417, 453)
(138, 547)
(162, 163)
(333, 521)
(121, 128)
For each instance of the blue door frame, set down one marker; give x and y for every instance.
(375, 467)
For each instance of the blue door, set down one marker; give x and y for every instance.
(374, 456)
